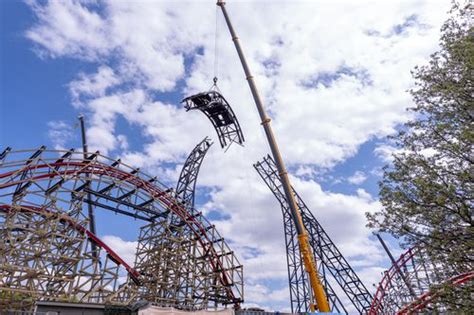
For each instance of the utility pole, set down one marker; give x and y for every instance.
(90, 210)
(309, 261)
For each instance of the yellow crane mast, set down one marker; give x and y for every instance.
(308, 259)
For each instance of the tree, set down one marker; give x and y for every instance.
(427, 192)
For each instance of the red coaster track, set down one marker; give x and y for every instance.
(59, 181)
(426, 279)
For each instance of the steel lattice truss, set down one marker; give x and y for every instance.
(332, 261)
(414, 269)
(189, 173)
(46, 251)
(219, 112)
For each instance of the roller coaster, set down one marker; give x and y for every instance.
(46, 250)
(49, 250)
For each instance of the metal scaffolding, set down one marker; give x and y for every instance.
(333, 263)
(42, 194)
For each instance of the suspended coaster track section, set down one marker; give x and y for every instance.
(47, 252)
(220, 114)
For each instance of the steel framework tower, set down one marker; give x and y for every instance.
(333, 263)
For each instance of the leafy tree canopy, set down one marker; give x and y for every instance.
(427, 192)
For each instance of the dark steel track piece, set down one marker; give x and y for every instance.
(221, 115)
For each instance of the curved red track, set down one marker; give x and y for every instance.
(429, 296)
(166, 199)
(422, 301)
(132, 272)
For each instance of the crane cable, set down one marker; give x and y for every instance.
(216, 51)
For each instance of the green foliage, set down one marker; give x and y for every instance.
(427, 193)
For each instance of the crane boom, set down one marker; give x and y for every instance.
(308, 258)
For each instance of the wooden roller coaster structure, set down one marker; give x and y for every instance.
(47, 251)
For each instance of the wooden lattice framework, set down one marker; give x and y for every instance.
(48, 255)
(43, 199)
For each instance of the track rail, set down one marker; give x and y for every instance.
(38, 210)
(186, 186)
(426, 278)
(424, 300)
(124, 190)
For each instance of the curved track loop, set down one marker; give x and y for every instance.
(424, 300)
(394, 297)
(57, 179)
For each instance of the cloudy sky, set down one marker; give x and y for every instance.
(333, 75)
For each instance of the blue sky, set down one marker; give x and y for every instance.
(333, 75)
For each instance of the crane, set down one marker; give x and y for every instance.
(319, 295)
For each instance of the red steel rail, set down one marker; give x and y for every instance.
(132, 272)
(165, 198)
(423, 299)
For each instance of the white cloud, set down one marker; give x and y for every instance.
(125, 249)
(261, 295)
(60, 133)
(94, 85)
(123, 142)
(357, 178)
(385, 152)
(333, 76)
(68, 28)
(363, 194)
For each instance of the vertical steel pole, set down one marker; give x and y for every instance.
(397, 268)
(89, 205)
(308, 258)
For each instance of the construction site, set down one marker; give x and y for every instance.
(52, 260)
